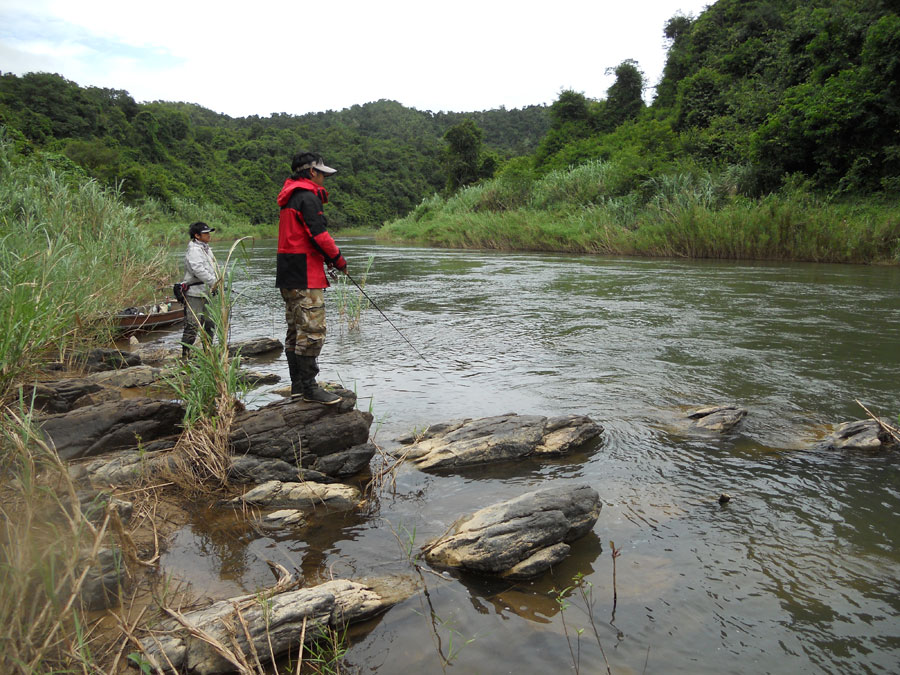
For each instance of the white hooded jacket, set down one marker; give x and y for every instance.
(200, 265)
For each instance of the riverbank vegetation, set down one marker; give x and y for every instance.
(772, 135)
(681, 216)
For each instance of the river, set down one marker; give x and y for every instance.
(798, 573)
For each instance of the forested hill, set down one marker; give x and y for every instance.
(390, 157)
(808, 87)
(756, 95)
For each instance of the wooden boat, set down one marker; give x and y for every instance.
(150, 317)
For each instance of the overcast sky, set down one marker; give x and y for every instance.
(267, 57)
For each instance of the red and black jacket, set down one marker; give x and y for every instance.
(304, 245)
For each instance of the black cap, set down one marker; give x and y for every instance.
(200, 228)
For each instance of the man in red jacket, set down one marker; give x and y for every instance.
(304, 248)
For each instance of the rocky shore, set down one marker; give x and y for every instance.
(290, 461)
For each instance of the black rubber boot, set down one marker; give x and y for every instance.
(185, 352)
(310, 390)
(294, 371)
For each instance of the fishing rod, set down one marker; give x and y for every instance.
(366, 295)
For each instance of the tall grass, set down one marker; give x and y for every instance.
(46, 543)
(71, 253)
(693, 214)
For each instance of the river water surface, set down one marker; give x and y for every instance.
(799, 573)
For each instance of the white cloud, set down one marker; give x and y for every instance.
(264, 57)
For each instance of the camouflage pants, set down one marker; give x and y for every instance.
(196, 318)
(304, 311)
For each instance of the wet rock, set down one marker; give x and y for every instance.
(865, 434)
(519, 538)
(114, 425)
(307, 497)
(300, 433)
(500, 438)
(253, 470)
(128, 378)
(104, 580)
(98, 360)
(268, 621)
(64, 395)
(255, 379)
(255, 347)
(718, 418)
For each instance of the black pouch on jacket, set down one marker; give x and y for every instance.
(178, 291)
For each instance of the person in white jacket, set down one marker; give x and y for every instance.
(201, 274)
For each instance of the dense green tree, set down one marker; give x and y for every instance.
(463, 154)
(625, 97)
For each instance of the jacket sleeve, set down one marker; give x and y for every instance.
(201, 265)
(311, 209)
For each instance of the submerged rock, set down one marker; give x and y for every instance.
(718, 418)
(866, 434)
(504, 437)
(258, 623)
(103, 581)
(519, 538)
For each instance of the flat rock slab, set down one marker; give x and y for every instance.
(306, 497)
(265, 621)
(500, 438)
(97, 429)
(60, 396)
(718, 418)
(128, 378)
(519, 538)
(866, 434)
(123, 467)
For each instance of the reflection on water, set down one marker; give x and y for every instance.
(798, 573)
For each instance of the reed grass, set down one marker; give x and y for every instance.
(693, 215)
(351, 302)
(71, 255)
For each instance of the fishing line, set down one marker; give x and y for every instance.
(375, 305)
